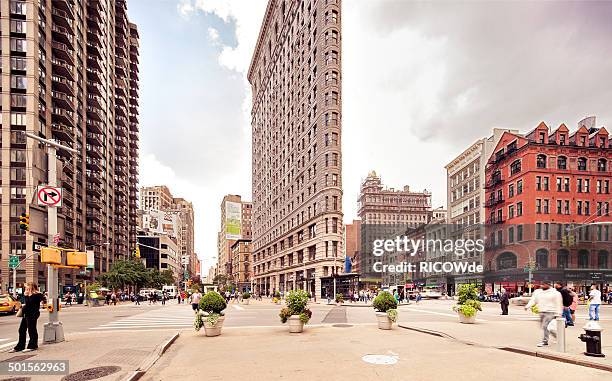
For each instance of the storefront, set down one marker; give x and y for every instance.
(346, 284)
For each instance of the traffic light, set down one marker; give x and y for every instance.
(24, 221)
(137, 251)
(571, 240)
(565, 240)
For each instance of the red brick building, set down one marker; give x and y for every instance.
(543, 188)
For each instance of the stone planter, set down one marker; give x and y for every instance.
(246, 301)
(295, 324)
(383, 320)
(466, 320)
(338, 303)
(213, 330)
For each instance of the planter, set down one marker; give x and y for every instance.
(383, 320)
(338, 303)
(278, 302)
(246, 301)
(295, 324)
(213, 329)
(466, 320)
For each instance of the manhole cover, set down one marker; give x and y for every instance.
(380, 359)
(91, 373)
(342, 325)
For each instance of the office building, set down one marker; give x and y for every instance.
(295, 77)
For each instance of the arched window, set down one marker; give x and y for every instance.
(515, 167)
(562, 259)
(542, 258)
(583, 259)
(582, 164)
(541, 161)
(562, 162)
(602, 165)
(506, 260)
(602, 259)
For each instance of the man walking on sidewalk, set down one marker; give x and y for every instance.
(594, 303)
(550, 304)
(567, 298)
(504, 301)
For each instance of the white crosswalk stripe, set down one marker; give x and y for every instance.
(163, 318)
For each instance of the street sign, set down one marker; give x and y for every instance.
(13, 261)
(185, 275)
(56, 238)
(36, 246)
(49, 196)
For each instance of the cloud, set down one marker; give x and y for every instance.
(185, 8)
(213, 34)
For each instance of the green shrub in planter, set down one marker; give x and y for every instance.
(213, 303)
(296, 305)
(384, 301)
(468, 303)
(246, 295)
(339, 298)
(277, 295)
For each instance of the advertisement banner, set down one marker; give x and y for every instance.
(90, 259)
(233, 216)
(160, 222)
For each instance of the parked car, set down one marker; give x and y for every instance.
(8, 304)
(431, 293)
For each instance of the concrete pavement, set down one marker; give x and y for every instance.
(336, 353)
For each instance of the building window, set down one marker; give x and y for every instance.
(519, 233)
(559, 207)
(19, 45)
(566, 183)
(511, 235)
(510, 190)
(506, 260)
(583, 259)
(546, 183)
(562, 259)
(562, 162)
(519, 187)
(510, 211)
(541, 161)
(542, 259)
(519, 209)
(582, 164)
(538, 206)
(602, 165)
(515, 167)
(18, 7)
(538, 182)
(19, 82)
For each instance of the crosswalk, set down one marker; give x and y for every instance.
(162, 318)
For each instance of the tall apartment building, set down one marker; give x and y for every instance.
(156, 197)
(69, 73)
(542, 187)
(236, 216)
(465, 196)
(295, 76)
(157, 202)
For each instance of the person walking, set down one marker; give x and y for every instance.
(550, 304)
(574, 304)
(137, 299)
(567, 302)
(594, 303)
(195, 300)
(30, 312)
(504, 301)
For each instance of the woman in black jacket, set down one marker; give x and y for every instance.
(29, 318)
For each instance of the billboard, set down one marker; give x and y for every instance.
(160, 222)
(91, 261)
(233, 217)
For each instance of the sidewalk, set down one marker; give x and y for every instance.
(523, 335)
(87, 350)
(336, 353)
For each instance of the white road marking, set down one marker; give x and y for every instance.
(238, 308)
(439, 313)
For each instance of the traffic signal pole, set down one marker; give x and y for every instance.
(54, 330)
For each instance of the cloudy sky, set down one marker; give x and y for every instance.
(421, 81)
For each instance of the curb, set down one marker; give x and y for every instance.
(151, 359)
(569, 359)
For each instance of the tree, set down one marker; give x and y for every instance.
(167, 277)
(125, 273)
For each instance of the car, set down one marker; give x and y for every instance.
(431, 293)
(8, 304)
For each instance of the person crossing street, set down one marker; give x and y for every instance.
(550, 304)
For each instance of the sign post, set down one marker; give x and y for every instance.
(13, 264)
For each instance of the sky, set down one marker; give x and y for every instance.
(421, 82)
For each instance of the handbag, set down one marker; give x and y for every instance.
(20, 312)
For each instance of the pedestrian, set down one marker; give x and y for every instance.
(164, 297)
(114, 298)
(30, 312)
(574, 304)
(567, 302)
(195, 300)
(418, 297)
(137, 299)
(594, 303)
(504, 301)
(610, 297)
(550, 304)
